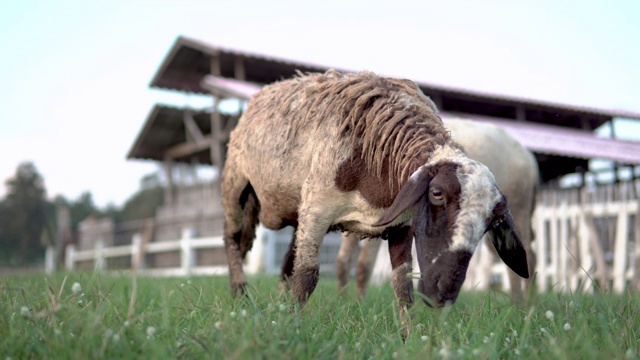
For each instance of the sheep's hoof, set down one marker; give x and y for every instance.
(239, 289)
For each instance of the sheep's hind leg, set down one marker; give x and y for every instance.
(287, 265)
(343, 262)
(400, 241)
(366, 261)
(239, 231)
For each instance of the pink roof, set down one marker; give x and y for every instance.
(556, 140)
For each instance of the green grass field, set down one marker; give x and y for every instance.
(42, 317)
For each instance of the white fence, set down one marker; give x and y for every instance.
(185, 246)
(583, 239)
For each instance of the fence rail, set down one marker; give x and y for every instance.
(185, 246)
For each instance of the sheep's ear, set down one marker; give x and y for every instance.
(412, 191)
(504, 237)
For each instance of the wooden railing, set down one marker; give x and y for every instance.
(185, 246)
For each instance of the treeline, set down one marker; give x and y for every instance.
(28, 220)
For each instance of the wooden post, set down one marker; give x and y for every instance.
(255, 257)
(540, 244)
(239, 72)
(168, 189)
(50, 259)
(99, 261)
(186, 252)
(620, 247)
(137, 260)
(636, 262)
(69, 261)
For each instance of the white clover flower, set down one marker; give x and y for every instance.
(219, 325)
(514, 333)
(151, 332)
(424, 338)
(76, 288)
(476, 352)
(232, 314)
(283, 307)
(181, 285)
(394, 355)
(491, 334)
(80, 302)
(243, 313)
(516, 351)
(57, 332)
(273, 323)
(549, 315)
(485, 340)
(108, 333)
(420, 327)
(126, 323)
(116, 337)
(567, 326)
(189, 282)
(445, 353)
(25, 312)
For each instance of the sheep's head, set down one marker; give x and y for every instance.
(455, 202)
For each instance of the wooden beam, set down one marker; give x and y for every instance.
(168, 189)
(521, 114)
(217, 150)
(239, 72)
(192, 128)
(215, 65)
(186, 149)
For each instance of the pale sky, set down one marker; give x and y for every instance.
(74, 75)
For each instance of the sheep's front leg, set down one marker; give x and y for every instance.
(400, 240)
(312, 227)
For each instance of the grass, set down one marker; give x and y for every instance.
(41, 317)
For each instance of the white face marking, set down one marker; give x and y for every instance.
(478, 197)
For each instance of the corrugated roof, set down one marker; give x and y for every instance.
(556, 140)
(229, 87)
(188, 62)
(539, 138)
(164, 128)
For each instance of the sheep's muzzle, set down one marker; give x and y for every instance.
(442, 279)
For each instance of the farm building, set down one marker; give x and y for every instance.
(589, 225)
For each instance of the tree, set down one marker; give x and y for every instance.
(24, 216)
(142, 204)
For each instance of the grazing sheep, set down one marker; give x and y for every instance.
(369, 155)
(517, 175)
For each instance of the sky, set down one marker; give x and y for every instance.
(74, 75)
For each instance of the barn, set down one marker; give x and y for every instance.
(585, 227)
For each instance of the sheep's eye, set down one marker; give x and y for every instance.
(436, 196)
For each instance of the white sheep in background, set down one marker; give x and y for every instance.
(368, 155)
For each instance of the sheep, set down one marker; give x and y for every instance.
(516, 172)
(369, 155)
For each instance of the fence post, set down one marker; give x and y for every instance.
(255, 258)
(49, 260)
(69, 261)
(541, 246)
(186, 252)
(98, 258)
(620, 250)
(137, 258)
